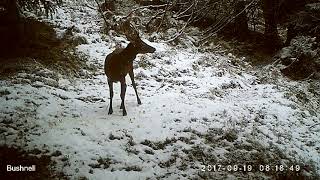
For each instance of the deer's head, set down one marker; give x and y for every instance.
(133, 36)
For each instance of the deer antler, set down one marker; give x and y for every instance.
(129, 30)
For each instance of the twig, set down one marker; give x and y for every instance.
(231, 19)
(101, 12)
(186, 10)
(312, 74)
(203, 9)
(181, 30)
(224, 19)
(180, 17)
(165, 11)
(314, 125)
(87, 5)
(152, 18)
(161, 86)
(143, 7)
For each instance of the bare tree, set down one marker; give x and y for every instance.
(270, 13)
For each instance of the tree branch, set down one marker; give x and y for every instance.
(101, 12)
(228, 21)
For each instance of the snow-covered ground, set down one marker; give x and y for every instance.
(198, 108)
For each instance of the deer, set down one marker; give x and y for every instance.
(119, 63)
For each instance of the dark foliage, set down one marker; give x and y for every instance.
(305, 22)
(14, 29)
(37, 43)
(14, 8)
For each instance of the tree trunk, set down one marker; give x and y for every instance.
(13, 15)
(241, 21)
(11, 28)
(270, 11)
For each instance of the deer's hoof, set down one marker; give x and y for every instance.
(110, 111)
(124, 113)
(139, 102)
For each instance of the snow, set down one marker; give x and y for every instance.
(181, 89)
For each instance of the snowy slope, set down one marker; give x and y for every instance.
(198, 108)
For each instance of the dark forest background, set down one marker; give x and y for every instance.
(258, 28)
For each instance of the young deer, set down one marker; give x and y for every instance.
(120, 62)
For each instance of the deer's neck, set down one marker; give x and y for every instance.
(130, 52)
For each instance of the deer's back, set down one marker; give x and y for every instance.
(117, 65)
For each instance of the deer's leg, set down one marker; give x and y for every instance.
(134, 85)
(110, 83)
(122, 95)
